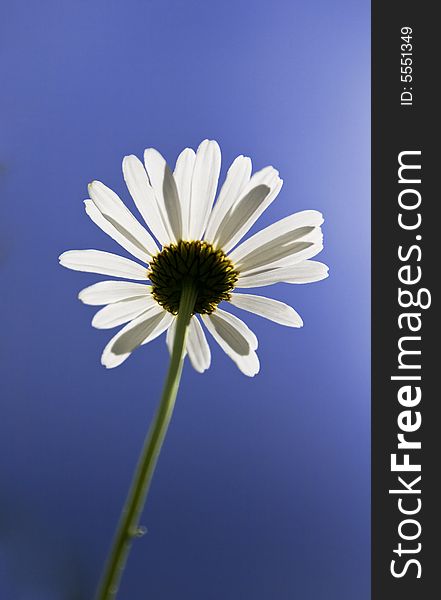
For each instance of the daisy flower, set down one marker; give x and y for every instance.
(193, 240)
(190, 258)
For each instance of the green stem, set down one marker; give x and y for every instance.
(128, 526)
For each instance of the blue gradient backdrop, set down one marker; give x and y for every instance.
(262, 489)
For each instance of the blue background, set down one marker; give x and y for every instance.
(262, 489)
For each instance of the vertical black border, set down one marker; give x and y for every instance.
(397, 128)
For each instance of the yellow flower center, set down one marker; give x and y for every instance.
(197, 263)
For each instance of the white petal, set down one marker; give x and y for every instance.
(232, 324)
(302, 226)
(239, 215)
(105, 263)
(121, 312)
(142, 329)
(159, 330)
(297, 252)
(276, 311)
(237, 177)
(203, 187)
(228, 235)
(116, 213)
(307, 271)
(107, 292)
(170, 338)
(164, 186)
(115, 232)
(248, 363)
(183, 175)
(144, 197)
(235, 338)
(197, 346)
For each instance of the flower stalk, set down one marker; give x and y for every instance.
(128, 527)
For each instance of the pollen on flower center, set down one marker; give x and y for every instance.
(209, 270)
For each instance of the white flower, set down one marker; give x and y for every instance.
(194, 236)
